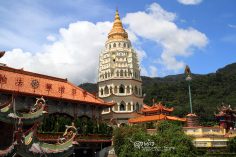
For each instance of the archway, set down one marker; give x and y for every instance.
(122, 106)
(106, 90)
(122, 89)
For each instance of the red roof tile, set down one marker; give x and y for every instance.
(24, 82)
(156, 107)
(142, 119)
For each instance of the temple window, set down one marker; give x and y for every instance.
(122, 89)
(101, 91)
(109, 46)
(111, 90)
(136, 90)
(117, 73)
(121, 73)
(106, 90)
(124, 44)
(129, 107)
(119, 44)
(114, 45)
(137, 107)
(125, 73)
(122, 106)
(128, 89)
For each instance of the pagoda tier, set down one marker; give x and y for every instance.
(192, 120)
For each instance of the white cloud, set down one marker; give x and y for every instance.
(73, 56)
(189, 2)
(158, 25)
(73, 53)
(153, 71)
(51, 38)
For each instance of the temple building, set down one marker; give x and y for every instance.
(25, 98)
(119, 78)
(155, 113)
(213, 137)
(226, 117)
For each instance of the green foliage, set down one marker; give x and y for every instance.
(85, 125)
(55, 123)
(232, 145)
(169, 140)
(208, 91)
(171, 135)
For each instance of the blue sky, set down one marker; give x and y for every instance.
(64, 38)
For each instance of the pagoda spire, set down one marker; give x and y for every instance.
(117, 31)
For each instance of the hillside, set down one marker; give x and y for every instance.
(208, 91)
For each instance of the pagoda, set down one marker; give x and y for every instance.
(119, 79)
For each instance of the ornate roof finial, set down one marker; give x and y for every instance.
(2, 53)
(187, 70)
(117, 31)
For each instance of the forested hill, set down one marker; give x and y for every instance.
(208, 91)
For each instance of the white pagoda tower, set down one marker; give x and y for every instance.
(119, 78)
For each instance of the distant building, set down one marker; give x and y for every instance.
(119, 78)
(208, 137)
(216, 136)
(155, 113)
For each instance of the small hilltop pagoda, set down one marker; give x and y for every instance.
(226, 117)
(155, 113)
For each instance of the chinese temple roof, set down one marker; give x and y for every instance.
(142, 119)
(225, 111)
(23, 82)
(155, 108)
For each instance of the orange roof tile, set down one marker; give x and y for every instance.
(146, 106)
(156, 107)
(142, 119)
(29, 83)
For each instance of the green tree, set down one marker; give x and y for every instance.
(232, 145)
(169, 141)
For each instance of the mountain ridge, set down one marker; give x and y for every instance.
(208, 91)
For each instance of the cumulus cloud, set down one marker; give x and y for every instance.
(73, 53)
(158, 25)
(189, 2)
(51, 38)
(73, 56)
(153, 71)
